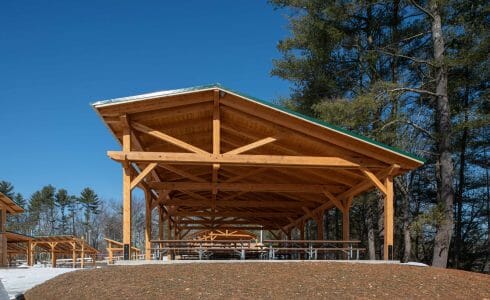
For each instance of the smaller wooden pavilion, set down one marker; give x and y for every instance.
(7, 206)
(18, 245)
(63, 246)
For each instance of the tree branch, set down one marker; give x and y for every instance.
(415, 90)
(428, 133)
(422, 9)
(420, 61)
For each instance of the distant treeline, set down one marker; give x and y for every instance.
(52, 211)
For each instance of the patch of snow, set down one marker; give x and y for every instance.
(414, 263)
(19, 280)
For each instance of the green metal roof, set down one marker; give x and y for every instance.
(262, 102)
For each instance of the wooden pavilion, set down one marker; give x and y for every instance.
(211, 158)
(7, 206)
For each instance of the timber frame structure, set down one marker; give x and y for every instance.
(211, 158)
(7, 206)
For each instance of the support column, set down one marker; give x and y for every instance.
(169, 229)
(148, 225)
(82, 256)
(160, 222)
(29, 253)
(3, 238)
(126, 191)
(33, 246)
(74, 254)
(388, 219)
(53, 254)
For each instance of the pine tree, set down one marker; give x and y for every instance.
(62, 200)
(90, 203)
(7, 189)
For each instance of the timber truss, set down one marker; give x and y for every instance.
(211, 159)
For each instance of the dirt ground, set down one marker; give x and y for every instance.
(289, 280)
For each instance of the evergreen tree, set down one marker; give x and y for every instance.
(62, 200)
(7, 189)
(91, 204)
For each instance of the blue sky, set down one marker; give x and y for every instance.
(56, 57)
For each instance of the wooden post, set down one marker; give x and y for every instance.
(29, 253)
(169, 229)
(109, 250)
(33, 246)
(82, 256)
(3, 238)
(126, 191)
(388, 219)
(160, 223)
(53, 254)
(148, 225)
(74, 254)
(216, 145)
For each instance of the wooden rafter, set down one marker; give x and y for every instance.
(167, 138)
(253, 145)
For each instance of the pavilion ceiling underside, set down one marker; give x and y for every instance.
(241, 189)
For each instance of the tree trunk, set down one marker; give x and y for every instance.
(459, 195)
(443, 127)
(370, 232)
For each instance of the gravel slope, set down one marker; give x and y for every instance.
(290, 280)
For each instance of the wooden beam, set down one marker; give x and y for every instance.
(334, 200)
(216, 144)
(126, 191)
(375, 180)
(243, 187)
(226, 227)
(363, 186)
(222, 222)
(241, 160)
(147, 224)
(253, 145)
(143, 174)
(167, 138)
(237, 203)
(238, 214)
(388, 219)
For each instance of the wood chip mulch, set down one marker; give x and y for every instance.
(284, 280)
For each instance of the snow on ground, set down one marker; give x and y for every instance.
(416, 264)
(19, 280)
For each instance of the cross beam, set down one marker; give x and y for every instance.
(240, 160)
(244, 187)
